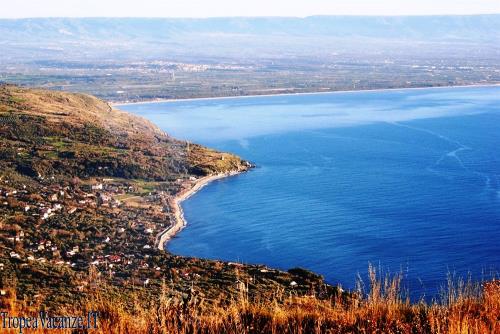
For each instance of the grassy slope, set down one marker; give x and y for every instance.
(76, 134)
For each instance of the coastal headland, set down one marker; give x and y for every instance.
(88, 188)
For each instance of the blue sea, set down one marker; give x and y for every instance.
(407, 180)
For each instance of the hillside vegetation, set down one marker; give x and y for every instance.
(55, 133)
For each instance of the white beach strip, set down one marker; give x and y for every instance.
(118, 104)
(179, 221)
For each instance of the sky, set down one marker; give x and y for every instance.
(217, 8)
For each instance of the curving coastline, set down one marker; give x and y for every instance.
(179, 220)
(161, 100)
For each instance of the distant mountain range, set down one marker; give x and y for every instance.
(479, 27)
(246, 37)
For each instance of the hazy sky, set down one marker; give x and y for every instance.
(210, 8)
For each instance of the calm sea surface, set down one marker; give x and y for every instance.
(408, 180)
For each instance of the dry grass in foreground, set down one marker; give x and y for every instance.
(465, 308)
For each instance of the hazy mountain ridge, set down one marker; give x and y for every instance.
(484, 27)
(245, 36)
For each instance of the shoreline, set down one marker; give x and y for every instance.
(117, 104)
(179, 220)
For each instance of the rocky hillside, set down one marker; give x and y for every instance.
(46, 133)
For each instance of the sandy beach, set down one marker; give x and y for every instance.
(179, 221)
(117, 104)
